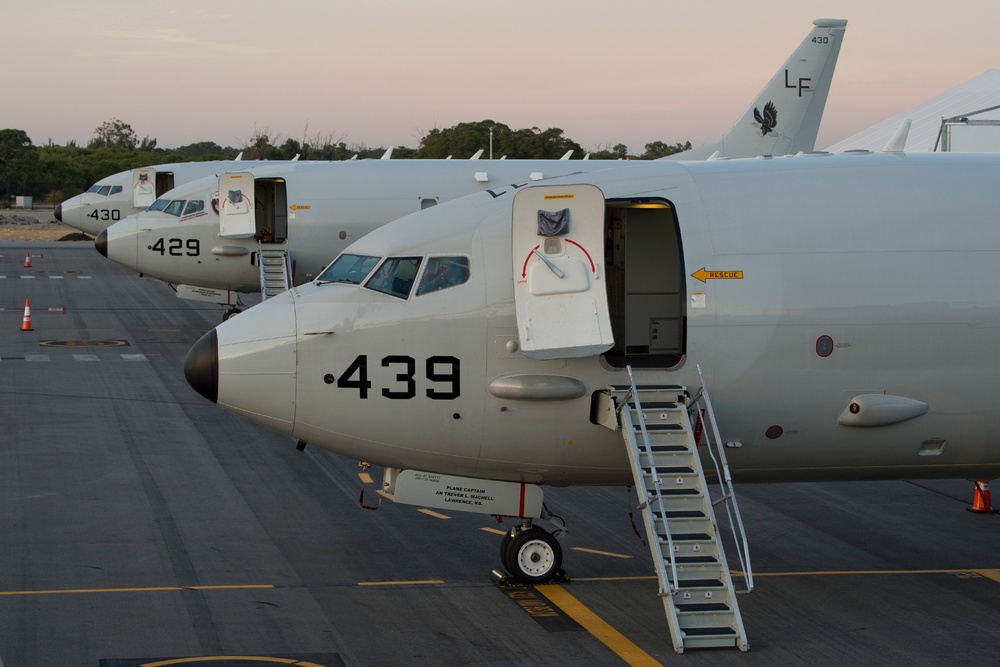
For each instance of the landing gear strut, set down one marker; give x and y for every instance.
(530, 554)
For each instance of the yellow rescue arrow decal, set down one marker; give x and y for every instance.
(704, 275)
(295, 207)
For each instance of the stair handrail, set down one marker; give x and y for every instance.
(725, 481)
(673, 583)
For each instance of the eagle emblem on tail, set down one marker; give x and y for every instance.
(768, 120)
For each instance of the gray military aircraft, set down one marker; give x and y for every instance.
(280, 224)
(568, 333)
(126, 193)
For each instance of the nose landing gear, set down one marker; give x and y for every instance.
(531, 554)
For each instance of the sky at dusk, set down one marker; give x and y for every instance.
(384, 72)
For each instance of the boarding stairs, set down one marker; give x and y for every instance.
(275, 272)
(662, 426)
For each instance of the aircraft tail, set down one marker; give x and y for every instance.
(784, 118)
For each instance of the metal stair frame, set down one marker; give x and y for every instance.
(693, 623)
(275, 269)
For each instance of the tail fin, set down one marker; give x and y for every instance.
(785, 116)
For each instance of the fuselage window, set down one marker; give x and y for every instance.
(158, 205)
(175, 207)
(442, 273)
(194, 206)
(349, 269)
(115, 189)
(395, 276)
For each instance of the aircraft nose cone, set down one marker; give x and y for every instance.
(201, 366)
(58, 213)
(101, 243)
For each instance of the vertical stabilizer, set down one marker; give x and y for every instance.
(784, 117)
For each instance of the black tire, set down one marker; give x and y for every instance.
(534, 556)
(504, 548)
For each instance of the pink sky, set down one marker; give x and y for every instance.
(383, 72)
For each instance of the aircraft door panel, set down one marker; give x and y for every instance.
(560, 294)
(236, 205)
(143, 187)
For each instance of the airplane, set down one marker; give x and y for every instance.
(837, 329)
(310, 211)
(126, 193)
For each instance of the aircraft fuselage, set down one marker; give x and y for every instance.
(826, 298)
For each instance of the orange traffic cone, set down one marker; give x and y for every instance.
(26, 325)
(981, 502)
(27, 260)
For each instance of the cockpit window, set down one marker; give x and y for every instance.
(442, 273)
(115, 189)
(194, 206)
(395, 276)
(175, 207)
(158, 205)
(349, 269)
(104, 190)
(93, 188)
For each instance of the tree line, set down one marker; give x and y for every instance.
(51, 173)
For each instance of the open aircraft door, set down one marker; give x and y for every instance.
(560, 291)
(236, 205)
(143, 187)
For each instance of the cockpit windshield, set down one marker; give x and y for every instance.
(395, 276)
(349, 269)
(442, 273)
(158, 205)
(176, 207)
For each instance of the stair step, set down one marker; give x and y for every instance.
(700, 583)
(688, 537)
(692, 560)
(673, 492)
(658, 405)
(702, 607)
(685, 514)
(660, 427)
(717, 631)
(669, 470)
(663, 449)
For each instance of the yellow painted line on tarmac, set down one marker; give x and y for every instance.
(495, 531)
(149, 589)
(419, 582)
(599, 553)
(434, 514)
(365, 477)
(597, 626)
(387, 496)
(989, 574)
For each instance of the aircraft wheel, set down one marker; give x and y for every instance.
(533, 556)
(230, 313)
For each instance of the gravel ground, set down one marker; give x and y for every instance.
(36, 226)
